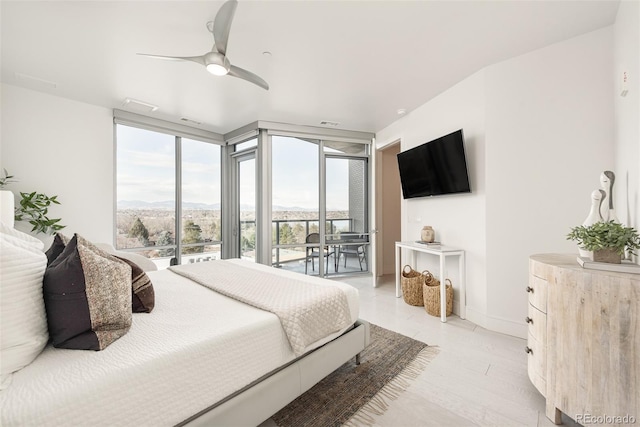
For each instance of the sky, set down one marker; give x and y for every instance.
(146, 165)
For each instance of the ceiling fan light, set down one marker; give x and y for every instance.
(217, 69)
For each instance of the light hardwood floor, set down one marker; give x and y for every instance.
(479, 378)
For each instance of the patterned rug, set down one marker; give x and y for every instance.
(354, 395)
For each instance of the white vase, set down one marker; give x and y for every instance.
(593, 217)
(7, 205)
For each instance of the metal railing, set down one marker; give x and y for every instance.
(334, 226)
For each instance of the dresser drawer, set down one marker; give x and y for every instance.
(537, 324)
(537, 363)
(537, 291)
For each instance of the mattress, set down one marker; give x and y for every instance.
(194, 349)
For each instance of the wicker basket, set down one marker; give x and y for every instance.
(431, 295)
(412, 282)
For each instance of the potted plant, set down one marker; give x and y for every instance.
(33, 208)
(7, 201)
(607, 240)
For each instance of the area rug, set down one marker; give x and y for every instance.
(354, 395)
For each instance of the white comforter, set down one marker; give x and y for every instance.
(307, 311)
(194, 349)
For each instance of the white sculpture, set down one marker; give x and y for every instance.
(597, 196)
(607, 210)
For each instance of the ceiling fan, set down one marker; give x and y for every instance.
(216, 61)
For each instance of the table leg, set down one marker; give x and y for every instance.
(443, 290)
(398, 269)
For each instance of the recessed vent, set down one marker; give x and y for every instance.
(140, 106)
(36, 81)
(329, 123)
(193, 122)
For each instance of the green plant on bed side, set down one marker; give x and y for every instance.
(6, 179)
(34, 208)
(606, 235)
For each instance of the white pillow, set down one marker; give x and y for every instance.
(23, 320)
(143, 262)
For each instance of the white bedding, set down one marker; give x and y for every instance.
(194, 349)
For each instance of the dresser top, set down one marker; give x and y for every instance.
(538, 262)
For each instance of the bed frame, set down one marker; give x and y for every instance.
(274, 391)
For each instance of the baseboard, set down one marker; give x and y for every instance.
(497, 324)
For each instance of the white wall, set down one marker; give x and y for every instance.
(60, 147)
(458, 220)
(626, 57)
(538, 130)
(549, 131)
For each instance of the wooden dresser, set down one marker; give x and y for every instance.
(584, 340)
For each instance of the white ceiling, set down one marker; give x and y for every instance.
(352, 62)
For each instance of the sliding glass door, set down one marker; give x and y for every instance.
(347, 206)
(247, 225)
(319, 201)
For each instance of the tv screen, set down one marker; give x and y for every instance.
(435, 168)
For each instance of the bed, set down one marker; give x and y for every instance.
(199, 358)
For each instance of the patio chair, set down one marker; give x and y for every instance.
(352, 249)
(313, 252)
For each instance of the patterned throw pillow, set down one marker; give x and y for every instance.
(143, 297)
(142, 293)
(87, 295)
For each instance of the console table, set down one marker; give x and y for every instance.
(584, 340)
(442, 252)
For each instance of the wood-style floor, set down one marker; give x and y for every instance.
(479, 378)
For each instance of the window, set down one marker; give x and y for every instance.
(168, 192)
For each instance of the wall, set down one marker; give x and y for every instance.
(549, 129)
(458, 220)
(538, 131)
(626, 57)
(60, 147)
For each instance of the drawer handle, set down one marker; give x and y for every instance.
(528, 320)
(528, 350)
(529, 289)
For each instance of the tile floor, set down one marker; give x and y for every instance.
(479, 378)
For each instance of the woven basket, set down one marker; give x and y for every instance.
(412, 282)
(431, 295)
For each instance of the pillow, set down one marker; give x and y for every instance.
(23, 323)
(142, 295)
(59, 242)
(143, 262)
(87, 295)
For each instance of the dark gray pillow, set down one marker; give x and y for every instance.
(143, 298)
(87, 295)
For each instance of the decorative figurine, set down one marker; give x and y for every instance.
(607, 210)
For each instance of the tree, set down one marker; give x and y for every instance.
(286, 234)
(165, 238)
(140, 231)
(192, 234)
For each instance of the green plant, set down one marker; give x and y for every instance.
(606, 235)
(6, 179)
(34, 208)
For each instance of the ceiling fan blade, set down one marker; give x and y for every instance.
(198, 59)
(222, 25)
(248, 76)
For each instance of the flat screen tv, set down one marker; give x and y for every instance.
(435, 168)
